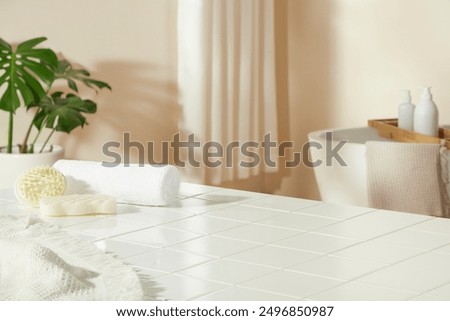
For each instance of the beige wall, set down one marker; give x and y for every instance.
(340, 62)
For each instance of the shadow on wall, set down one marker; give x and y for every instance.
(307, 29)
(282, 81)
(142, 103)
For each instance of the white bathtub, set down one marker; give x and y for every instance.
(337, 183)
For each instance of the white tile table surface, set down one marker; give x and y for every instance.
(222, 244)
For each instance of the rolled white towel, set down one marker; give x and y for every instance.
(131, 184)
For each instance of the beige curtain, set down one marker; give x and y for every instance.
(227, 77)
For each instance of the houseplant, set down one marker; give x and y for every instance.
(36, 79)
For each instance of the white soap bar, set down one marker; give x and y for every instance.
(78, 204)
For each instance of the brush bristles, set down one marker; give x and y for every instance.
(40, 182)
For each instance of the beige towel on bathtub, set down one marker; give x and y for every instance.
(405, 177)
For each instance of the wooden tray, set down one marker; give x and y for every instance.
(387, 128)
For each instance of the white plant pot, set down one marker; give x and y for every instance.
(13, 165)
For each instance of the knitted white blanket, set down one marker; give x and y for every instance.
(40, 262)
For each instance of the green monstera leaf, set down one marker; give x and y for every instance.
(63, 113)
(24, 72)
(66, 71)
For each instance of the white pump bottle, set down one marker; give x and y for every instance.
(406, 112)
(426, 115)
